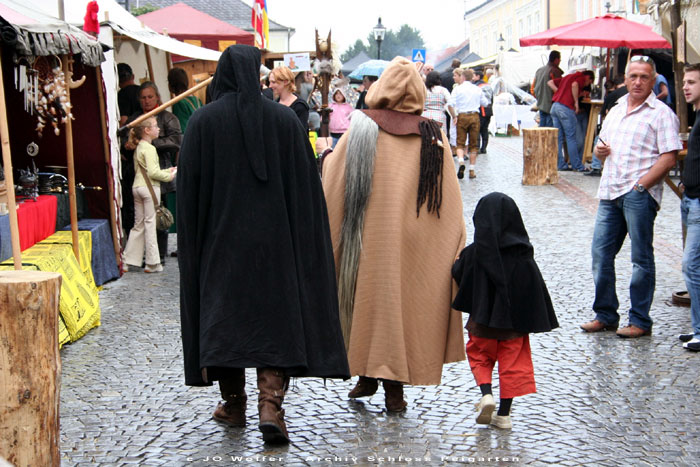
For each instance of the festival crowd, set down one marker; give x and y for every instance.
(364, 268)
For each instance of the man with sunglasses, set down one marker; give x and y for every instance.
(690, 208)
(640, 141)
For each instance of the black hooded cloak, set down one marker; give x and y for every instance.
(500, 285)
(257, 277)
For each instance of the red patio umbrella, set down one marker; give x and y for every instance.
(609, 31)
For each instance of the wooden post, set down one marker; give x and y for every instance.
(169, 60)
(149, 62)
(323, 53)
(681, 106)
(108, 162)
(593, 114)
(540, 150)
(30, 367)
(70, 162)
(9, 179)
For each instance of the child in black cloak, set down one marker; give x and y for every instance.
(502, 289)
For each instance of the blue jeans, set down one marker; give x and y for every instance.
(596, 164)
(690, 215)
(634, 214)
(565, 120)
(581, 128)
(546, 119)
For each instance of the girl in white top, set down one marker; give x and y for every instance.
(143, 235)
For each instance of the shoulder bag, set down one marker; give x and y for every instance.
(164, 218)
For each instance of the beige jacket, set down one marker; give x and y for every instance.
(403, 327)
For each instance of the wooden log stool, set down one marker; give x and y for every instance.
(540, 150)
(30, 368)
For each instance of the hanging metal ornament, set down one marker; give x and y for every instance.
(33, 149)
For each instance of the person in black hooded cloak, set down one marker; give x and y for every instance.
(257, 277)
(502, 289)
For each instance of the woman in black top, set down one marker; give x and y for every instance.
(282, 84)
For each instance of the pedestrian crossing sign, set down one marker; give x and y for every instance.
(418, 55)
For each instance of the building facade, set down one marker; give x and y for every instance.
(487, 21)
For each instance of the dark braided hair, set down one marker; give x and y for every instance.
(431, 159)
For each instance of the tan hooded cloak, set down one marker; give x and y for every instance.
(403, 327)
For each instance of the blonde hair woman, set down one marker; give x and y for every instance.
(282, 84)
(143, 234)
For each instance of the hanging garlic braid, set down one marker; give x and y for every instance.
(431, 160)
(359, 169)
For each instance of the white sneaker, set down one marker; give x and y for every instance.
(502, 421)
(485, 407)
(153, 268)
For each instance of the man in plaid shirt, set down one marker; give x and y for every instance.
(640, 141)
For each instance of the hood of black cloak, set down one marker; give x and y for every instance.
(237, 73)
(500, 285)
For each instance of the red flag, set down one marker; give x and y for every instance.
(259, 23)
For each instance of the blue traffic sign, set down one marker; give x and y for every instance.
(418, 55)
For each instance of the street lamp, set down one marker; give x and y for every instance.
(500, 41)
(379, 31)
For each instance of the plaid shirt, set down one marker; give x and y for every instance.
(636, 142)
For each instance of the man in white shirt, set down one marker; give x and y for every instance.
(640, 141)
(464, 105)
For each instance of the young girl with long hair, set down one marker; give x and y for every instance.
(143, 235)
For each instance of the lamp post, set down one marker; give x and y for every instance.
(379, 30)
(500, 41)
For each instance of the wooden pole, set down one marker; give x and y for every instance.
(169, 61)
(681, 106)
(30, 368)
(71, 165)
(9, 179)
(172, 101)
(149, 62)
(108, 166)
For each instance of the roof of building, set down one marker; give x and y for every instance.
(234, 12)
(477, 7)
(181, 19)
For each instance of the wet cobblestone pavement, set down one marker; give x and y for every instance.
(601, 400)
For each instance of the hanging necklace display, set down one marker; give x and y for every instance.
(45, 92)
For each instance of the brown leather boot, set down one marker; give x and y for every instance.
(393, 396)
(272, 385)
(365, 387)
(232, 411)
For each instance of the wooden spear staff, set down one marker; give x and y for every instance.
(172, 101)
(9, 179)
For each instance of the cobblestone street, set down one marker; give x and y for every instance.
(601, 400)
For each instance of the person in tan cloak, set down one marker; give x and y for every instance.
(395, 212)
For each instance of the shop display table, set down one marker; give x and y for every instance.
(36, 220)
(104, 263)
(79, 303)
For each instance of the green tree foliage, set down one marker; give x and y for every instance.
(401, 42)
(142, 10)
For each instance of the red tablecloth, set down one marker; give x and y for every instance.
(36, 220)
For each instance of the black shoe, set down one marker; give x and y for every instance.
(482, 151)
(460, 172)
(565, 169)
(685, 337)
(593, 173)
(693, 345)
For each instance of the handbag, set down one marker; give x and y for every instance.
(164, 218)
